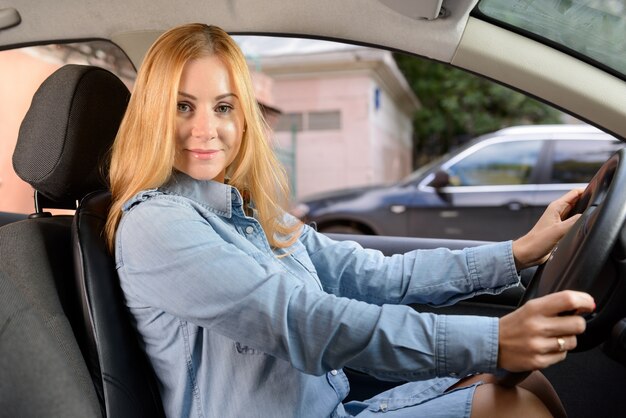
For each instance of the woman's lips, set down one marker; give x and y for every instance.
(204, 154)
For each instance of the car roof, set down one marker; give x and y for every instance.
(549, 129)
(141, 20)
(458, 36)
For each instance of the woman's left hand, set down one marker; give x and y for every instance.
(535, 247)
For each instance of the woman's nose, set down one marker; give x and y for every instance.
(204, 127)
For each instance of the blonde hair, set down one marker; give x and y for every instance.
(143, 153)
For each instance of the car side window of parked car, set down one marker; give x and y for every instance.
(501, 163)
(576, 161)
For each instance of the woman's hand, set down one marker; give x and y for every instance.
(538, 335)
(535, 247)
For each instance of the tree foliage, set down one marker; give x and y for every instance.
(457, 105)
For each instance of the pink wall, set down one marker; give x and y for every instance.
(321, 159)
(372, 146)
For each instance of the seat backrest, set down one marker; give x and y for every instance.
(42, 371)
(130, 388)
(8, 217)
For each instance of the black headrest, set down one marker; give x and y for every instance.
(68, 130)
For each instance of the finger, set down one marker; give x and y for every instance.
(563, 227)
(557, 326)
(566, 212)
(564, 301)
(568, 223)
(548, 359)
(564, 204)
(561, 344)
(565, 343)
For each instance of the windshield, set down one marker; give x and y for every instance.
(417, 174)
(595, 29)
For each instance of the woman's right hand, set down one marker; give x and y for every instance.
(538, 334)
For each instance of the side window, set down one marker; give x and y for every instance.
(504, 163)
(577, 161)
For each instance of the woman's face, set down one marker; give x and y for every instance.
(209, 120)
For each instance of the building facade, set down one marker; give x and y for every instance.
(336, 98)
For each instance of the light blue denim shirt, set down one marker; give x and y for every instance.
(232, 330)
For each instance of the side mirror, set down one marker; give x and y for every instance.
(442, 179)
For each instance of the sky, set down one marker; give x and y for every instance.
(268, 46)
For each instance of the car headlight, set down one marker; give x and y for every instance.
(300, 210)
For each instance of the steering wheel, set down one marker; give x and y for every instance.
(591, 257)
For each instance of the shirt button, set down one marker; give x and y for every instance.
(453, 374)
(333, 372)
(249, 229)
(383, 407)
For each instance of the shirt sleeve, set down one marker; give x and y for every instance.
(434, 276)
(171, 258)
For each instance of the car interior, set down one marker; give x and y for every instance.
(67, 344)
(75, 312)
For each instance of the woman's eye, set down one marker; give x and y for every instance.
(183, 107)
(223, 108)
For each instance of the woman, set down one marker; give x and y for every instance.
(243, 311)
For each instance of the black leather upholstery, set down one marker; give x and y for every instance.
(128, 382)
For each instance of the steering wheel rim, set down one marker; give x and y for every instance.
(591, 257)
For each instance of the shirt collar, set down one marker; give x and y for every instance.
(218, 197)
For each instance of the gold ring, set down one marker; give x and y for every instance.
(561, 342)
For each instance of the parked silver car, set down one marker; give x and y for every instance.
(493, 188)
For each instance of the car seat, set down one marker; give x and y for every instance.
(62, 150)
(8, 217)
(43, 370)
